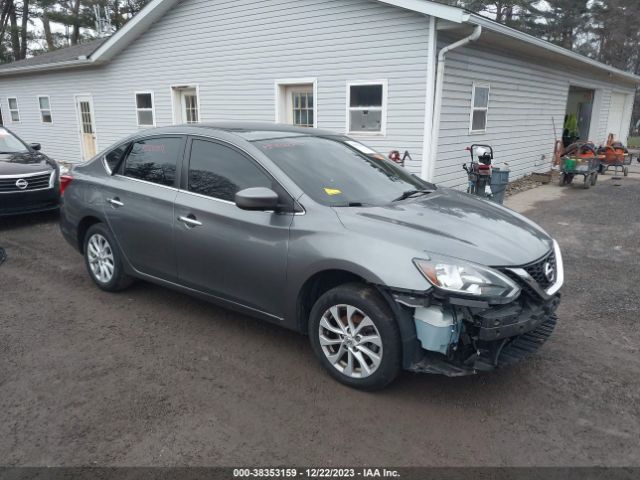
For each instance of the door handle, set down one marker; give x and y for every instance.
(115, 202)
(190, 221)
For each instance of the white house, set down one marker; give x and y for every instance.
(410, 75)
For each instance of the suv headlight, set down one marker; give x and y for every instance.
(466, 278)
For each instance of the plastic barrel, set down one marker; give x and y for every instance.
(499, 182)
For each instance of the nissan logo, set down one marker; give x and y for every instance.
(22, 184)
(549, 271)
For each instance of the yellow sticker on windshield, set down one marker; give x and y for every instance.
(332, 191)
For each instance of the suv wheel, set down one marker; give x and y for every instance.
(355, 336)
(103, 260)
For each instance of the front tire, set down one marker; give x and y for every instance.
(355, 337)
(103, 260)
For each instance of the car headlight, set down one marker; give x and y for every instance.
(466, 278)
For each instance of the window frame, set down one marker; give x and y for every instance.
(152, 109)
(11, 110)
(383, 108)
(176, 91)
(180, 161)
(40, 109)
(281, 86)
(291, 205)
(474, 108)
(105, 164)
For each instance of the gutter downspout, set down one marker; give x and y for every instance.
(437, 109)
(429, 100)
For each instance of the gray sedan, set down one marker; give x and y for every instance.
(318, 233)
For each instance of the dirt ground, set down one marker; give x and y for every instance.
(153, 377)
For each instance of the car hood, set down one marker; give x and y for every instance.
(24, 163)
(455, 224)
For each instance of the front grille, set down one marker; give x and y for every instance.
(537, 270)
(35, 182)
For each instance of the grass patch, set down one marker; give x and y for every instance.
(634, 142)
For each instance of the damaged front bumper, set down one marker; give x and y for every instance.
(489, 339)
(457, 337)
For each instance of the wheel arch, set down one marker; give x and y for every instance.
(318, 284)
(83, 226)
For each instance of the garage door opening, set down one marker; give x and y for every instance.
(577, 120)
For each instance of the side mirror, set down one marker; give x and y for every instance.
(35, 146)
(258, 198)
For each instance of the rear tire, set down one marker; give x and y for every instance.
(354, 335)
(594, 178)
(104, 260)
(587, 182)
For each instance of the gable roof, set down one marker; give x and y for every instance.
(104, 50)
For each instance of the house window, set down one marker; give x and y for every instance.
(191, 107)
(366, 103)
(296, 102)
(144, 109)
(14, 112)
(186, 104)
(45, 109)
(479, 108)
(302, 104)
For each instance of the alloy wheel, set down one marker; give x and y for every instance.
(350, 341)
(100, 257)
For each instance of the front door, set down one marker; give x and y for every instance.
(86, 126)
(139, 204)
(233, 254)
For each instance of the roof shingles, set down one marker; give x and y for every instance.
(57, 56)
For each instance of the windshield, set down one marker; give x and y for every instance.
(10, 144)
(340, 173)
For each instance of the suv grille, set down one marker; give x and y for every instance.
(537, 270)
(35, 182)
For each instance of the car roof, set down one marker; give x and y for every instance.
(250, 131)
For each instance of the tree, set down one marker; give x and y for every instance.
(29, 27)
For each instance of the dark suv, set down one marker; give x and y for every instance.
(28, 178)
(318, 233)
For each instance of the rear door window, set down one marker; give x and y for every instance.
(112, 159)
(219, 171)
(154, 160)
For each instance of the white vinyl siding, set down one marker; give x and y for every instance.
(14, 110)
(145, 112)
(44, 103)
(526, 98)
(236, 50)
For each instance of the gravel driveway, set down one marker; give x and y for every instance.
(153, 377)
